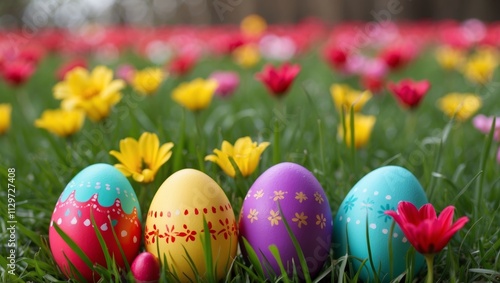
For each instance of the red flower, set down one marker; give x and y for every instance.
(183, 63)
(398, 55)
(336, 56)
(278, 80)
(17, 72)
(409, 93)
(374, 84)
(427, 233)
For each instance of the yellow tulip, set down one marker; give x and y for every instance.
(195, 95)
(245, 153)
(253, 25)
(363, 126)
(142, 159)
(346, 97)
(147, 81)
(247, 55)
(480, 67)
(95, 93)
(450, 58)
(460, 106)
(5, 117)
(61, 122)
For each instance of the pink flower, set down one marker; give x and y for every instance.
(227, 82)
(125, 72)
(278, 80)
(409, 93)
(427, 233)
(484, 123)
(280, 48)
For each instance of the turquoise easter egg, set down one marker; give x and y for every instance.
(361, 220)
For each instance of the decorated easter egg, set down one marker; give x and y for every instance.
(287, 192)
(175, 225)
(361, 220)
(99, 194)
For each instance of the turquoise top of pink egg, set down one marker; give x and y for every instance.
(362, 212)
(97, 179)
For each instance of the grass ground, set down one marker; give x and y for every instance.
(446, 157)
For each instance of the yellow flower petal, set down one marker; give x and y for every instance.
(461, 106)
(363, 126)
(195, 95)
(61, 122)
(345, 97)
(5, 117)
(94, 93)
(245, 153)
(143, 158)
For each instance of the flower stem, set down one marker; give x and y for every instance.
(279, 113)
(201, 143)
(429, 259)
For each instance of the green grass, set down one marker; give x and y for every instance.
(453, 161)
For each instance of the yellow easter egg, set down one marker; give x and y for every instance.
(174, 226)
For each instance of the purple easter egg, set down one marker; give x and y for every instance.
(305, 208)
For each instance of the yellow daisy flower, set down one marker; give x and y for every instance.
(461, 106)
(245, 153)
(195, 95)
(480, 67)
(94, 93)
(61, 122)
(143, 158)
(147, 81)
(449, 58)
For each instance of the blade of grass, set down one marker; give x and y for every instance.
(276, 254)
(253, 258)
(298, 249)
(73, 246)
(478, 208)
(206, 243)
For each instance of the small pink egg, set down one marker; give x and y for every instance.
(146, 268)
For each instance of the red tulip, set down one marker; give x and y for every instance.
(17, 72)
(398, 55)
(336, 56)
(183, 63)
(374, 84)
(409, 93)
(426, 232)
(278, 80)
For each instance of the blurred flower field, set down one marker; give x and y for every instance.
(339, 100)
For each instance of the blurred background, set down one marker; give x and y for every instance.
(75, 13)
